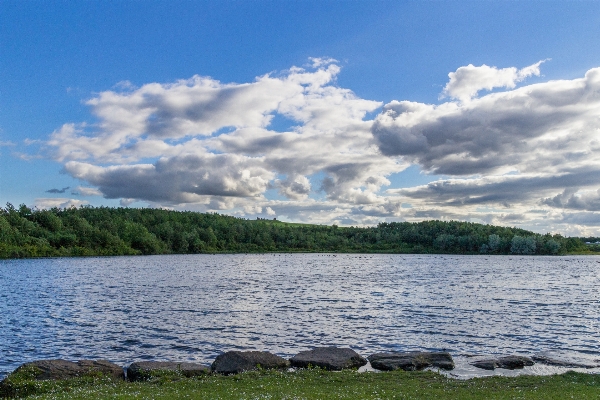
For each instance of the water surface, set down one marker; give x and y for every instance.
(193, 307)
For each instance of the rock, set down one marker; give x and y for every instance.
(411, 361)
(508, 362)
(330, 358)
(142, 370)
(234, 362)
(514, 362)
(103, 366)
(558, 360)
(485, 364)
(62, 369)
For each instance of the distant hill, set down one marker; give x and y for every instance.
(91, 231)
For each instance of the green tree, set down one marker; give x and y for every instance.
(523, 245)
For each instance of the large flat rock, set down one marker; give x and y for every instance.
(143, 370)
(63, 369)
(411, 361)
(234, 362)
(330, 358)
(507, 362)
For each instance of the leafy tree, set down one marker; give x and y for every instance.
(551, 246)
(494, 243)
(523, 245)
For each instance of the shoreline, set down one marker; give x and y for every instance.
(301, 252)
(546, 363)
(319, 384)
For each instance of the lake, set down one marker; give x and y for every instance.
(193, 307)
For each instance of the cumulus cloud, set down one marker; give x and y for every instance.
(86, 191)
(572, 198)
(177, 180)
(467, 81)
(294, 187)
(504, 154)
(503, 190)
(546, 126)
(126, 202)
(46, 203)
(183, 142)
(526, 155)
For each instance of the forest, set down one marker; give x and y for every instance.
(104, 231)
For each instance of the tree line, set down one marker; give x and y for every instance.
(103, 231)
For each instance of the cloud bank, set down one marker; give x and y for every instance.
(296, 145)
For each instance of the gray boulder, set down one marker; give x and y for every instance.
(487, 364)
(62, 369)
(411, 361)
(143, 370)
(508, 362)
(330, 358)
(234, 362)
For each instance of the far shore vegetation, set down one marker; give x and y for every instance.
(106, 231)
(312, 384)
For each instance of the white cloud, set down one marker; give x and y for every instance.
(46, 203)
(87, 191)
(126, 202)
(543, 127)
(252, 209)
(527, 156)
(178, 179)
(505, 153)
(177, 143)
(574, 199)
(467, 81)
(294, 187)
(317, 62)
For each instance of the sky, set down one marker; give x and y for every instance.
(328, 112)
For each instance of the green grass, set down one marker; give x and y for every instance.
(319, 384)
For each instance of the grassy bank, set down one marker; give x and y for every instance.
(319, 384)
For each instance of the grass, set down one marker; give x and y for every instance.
(319, 384)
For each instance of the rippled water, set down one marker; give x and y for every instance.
(193, 307)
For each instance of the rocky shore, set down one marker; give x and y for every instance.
(234, 362)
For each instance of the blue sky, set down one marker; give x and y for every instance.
(327, 112)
